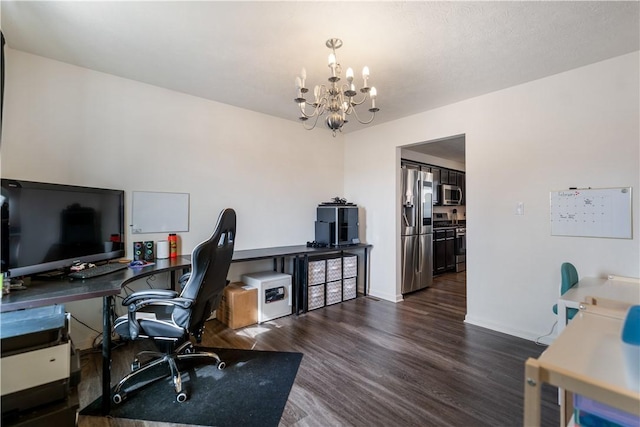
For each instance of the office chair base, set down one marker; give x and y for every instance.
(184, 352)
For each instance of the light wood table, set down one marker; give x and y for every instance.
(586, 359)
(590, 289)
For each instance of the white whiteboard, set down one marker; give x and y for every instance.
(153, 212)
(603, 212)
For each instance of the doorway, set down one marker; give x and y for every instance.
(446, 155)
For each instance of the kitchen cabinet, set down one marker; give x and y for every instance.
(462, 184)
(436, 185)
(442, 176)
(444, 257)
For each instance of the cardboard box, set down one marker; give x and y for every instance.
(239, 306)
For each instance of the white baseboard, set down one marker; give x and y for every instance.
(520, 333)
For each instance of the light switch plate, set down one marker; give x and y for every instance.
(520, 208)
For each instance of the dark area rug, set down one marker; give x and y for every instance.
(251, 391)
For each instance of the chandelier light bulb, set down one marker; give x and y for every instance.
(332, 60)
(349, 74)
(303, 76)
(373, 94)
(365, 75)
(298, 83)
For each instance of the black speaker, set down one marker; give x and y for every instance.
(138, 251)
(148, 251)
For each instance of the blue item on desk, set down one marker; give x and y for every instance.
(140, 264)
(631, 328)
(631, 346)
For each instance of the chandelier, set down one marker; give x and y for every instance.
(337, 100)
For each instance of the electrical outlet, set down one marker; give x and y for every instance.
(520, 208)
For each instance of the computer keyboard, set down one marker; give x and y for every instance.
(99, 270)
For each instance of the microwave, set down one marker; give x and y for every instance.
(450, 195)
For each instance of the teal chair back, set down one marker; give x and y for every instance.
(569, 277)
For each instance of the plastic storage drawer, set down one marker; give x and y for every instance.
(315, 297)
(349, 288)
(317, 271)
(334, 269)
(334, 292)
(350, 266)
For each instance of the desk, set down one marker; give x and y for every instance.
(43, 293)
(612, 289)
(587, 359)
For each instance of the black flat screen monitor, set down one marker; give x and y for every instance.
(49, 227)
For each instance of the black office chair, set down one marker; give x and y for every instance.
(169, 318)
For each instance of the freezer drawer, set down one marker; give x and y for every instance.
(417, 262)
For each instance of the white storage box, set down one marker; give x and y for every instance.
(334, 269)
(315, 297)
(349, 288)
(350, 266)
(316, 272)
(334, 292)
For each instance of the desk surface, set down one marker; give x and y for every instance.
(586, 359)
(617, 290)
(286, 251)
(591, 347)
(43, 292)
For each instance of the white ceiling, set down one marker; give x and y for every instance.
(452, 148)
(422, 55)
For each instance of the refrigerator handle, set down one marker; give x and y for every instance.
(419, 206)
(418, 256)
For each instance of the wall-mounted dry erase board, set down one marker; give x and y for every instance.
(603, 212)
(153, 212)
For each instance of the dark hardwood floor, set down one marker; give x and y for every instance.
(369, 362)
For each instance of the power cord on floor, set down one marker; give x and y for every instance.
(537, 341)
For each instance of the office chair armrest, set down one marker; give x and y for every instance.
(135, 304)
(152, 294)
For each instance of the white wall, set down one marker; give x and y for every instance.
(575, 129)
(71, 125)
(581, 128)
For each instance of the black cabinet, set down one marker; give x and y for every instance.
(450, 250)
(443, 176)
(444, 257)
(462, 184)
(436, 185)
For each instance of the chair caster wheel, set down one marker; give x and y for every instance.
(181, 397)
(221, 366)
(135, 365)
(118, 398)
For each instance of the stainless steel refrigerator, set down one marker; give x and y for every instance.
(416, 208)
